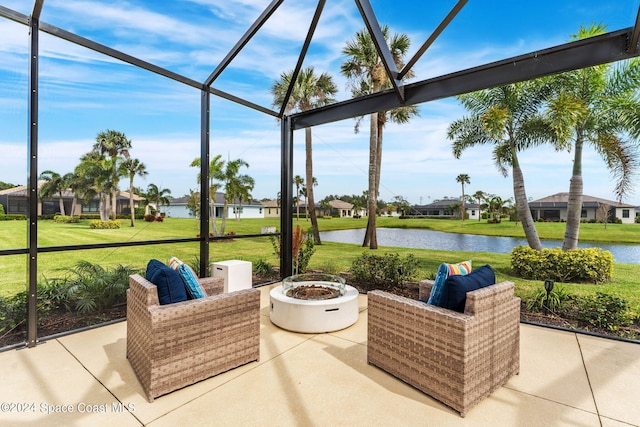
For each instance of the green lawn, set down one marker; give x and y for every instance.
(328, 256)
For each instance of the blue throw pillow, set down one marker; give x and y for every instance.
(454, 295)
(190, 281)
(170, 285)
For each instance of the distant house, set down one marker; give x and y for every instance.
(271, 209)
(445, 208)
(337, 208)
(178, 208)
(554, 208)
(15, 201)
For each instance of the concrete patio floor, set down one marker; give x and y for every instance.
(84, 379)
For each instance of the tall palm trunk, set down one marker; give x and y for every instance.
(309, 179)
(132, 211)
(114, 202)
(370, 238)
(522, 205)
(574, 205)
(61, 203)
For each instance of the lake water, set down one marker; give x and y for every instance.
(429, 239)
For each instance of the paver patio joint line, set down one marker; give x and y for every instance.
(588, 379)
(98, 380)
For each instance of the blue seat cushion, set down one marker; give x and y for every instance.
(454, 295)
(169, 283)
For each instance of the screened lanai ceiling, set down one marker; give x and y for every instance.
(240, 48)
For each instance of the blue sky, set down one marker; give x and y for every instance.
(83, 92)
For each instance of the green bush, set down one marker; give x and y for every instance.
(66, 219)
(13, 309)
(604, 311)
(579, 265)
(13, 217)
(103, 225)
(383, 271)
(263, 268)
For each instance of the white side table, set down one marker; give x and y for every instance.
(236, 274)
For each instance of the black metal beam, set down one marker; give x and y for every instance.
(286, 198)
(243, 102)
(439, 29)
(303, 53)
(11, 14)
(205, 123)
(380, 43)
(635, 35)
(32, 186)
(37, 9)
(90, 44)
(570, 56)
(264, 16)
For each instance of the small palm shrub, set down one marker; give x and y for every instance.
(91, 288)
(558, 300)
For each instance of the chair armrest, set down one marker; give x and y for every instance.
(425, 289)
(493, 300)
(143, 290)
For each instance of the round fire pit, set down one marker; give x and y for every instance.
(314, 303)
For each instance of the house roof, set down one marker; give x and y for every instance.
(340, 204)
(445, 203)
(560, 200)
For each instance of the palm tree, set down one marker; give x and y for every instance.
(54, 184)
(507, 117)
(112, 146)
(593, 105)
(131, 168)
(463, 179)
(233, 181)
(157, 196)
(309, 91)
(367, 75)
(298, 181)
(216, 166)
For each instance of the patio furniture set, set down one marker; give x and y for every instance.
(458, 357)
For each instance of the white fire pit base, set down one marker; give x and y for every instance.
(314, 316)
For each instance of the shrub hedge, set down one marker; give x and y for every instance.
(103, 225)
(593, 265)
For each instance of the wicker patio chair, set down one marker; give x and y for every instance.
(175, 345)
(456, 358)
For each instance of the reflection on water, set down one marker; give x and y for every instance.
(429, 239)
